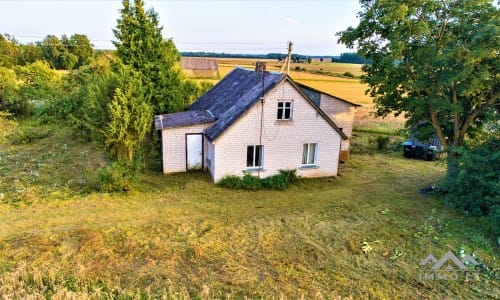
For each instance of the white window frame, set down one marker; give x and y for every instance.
(254, 166)
(284, 110)
(307, 148)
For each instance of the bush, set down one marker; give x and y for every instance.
(249, 182)
(276, 182)
(290, 175)
(231, 181)
(116, 178)
(381, 142)
(348, 74)
(473, 181)
(28, 135)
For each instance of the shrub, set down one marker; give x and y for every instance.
(290, 175)
(28, 135)
(116, 178)
(473, 181)
(249, 182)
(348, 74)
(381, 142)
(276, 182)
(230, 181)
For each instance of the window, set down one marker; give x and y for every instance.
(309, 154)
(254, 156)
(284, 110)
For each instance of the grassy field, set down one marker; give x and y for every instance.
(358, 236)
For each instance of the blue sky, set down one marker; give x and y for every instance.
(238, 26)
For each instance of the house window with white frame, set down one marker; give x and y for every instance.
(310, 154)
(254, 156)
(284, 110)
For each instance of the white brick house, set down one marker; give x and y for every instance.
(341, 111)
(251, 122)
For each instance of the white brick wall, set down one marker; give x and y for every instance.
(341, 113)
(282, 140)
(174, 147)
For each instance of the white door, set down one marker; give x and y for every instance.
(194, 151)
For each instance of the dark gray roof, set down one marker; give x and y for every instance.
(184, 118)
(315, 95)
(233, 96)
(223, 104)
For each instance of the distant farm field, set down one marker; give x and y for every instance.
(346, 88)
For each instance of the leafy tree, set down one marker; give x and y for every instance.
(436, 61)
(68, 60)
(37, 81)
(141, 45)
(52, 50)
(9, 51)
(29, 53)
(8, 89)
(79, 45)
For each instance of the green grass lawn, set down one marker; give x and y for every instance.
(180, 236)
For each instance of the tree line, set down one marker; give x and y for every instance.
(60, 53)
(351, 57)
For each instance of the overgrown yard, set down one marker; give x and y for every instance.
(360, 235)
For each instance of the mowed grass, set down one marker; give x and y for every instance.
(180, 236)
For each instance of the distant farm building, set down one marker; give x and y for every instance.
(200, 67)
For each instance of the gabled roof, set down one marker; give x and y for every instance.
(310, 91)
(184, 118)
(233, 96)
(230, 98)
(318, 110)
(199, 63)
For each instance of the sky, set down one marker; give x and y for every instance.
(230, 26)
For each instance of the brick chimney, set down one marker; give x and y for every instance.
(260, 66)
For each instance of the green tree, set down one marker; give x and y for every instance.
(80, 46)
(68, 61)
(9, 51)
(52, 50)
(435, 61)
(37, 81)
(8, 90)
(113, 107)
(29, 53)
(129, 116)
(140, 44)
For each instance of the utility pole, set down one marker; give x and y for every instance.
(288, 59)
